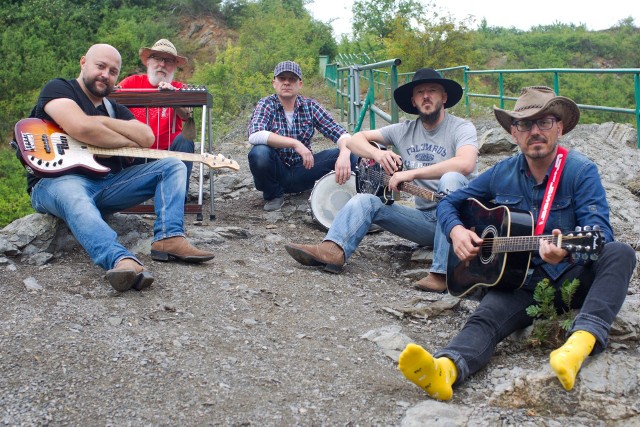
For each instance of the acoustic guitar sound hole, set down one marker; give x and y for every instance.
(486, 250)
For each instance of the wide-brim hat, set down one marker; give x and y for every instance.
(404, 93)
(162, 46)
(536, 101)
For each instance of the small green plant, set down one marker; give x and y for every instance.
(549, 326)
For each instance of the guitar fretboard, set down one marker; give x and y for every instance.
(143, 153)
(520, 243)
(532, 243)
(407, 187)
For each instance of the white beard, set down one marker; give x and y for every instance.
(156, 78)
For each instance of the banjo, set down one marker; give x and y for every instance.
(328, 197)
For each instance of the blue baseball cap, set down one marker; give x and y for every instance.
(289, 66)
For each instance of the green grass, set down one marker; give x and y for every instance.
(14, 200)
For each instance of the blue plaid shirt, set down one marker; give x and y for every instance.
(308, 115)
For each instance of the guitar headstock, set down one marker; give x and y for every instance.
(217, 161)
(587, 242)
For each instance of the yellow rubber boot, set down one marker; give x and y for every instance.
(435, 376)
(567, 360)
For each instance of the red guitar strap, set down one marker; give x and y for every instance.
(552, 186)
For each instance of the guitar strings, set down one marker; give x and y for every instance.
(379, 175)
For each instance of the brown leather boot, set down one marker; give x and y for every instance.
(327, 254)
(178, 248)
(128, 274)
(434, 282)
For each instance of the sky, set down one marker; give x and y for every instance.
(502, 13)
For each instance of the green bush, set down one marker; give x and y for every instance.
(14, 200)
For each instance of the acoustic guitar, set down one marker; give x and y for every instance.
(508, 241)
(46, 151)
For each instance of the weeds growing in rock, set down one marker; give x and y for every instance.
(549, 326)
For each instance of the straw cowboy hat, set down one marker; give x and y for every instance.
(537, 101)
(162, 46)
(403, 94)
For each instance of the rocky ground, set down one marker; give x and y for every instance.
(253, 338)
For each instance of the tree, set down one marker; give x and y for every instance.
(380, 17)
(434, 41)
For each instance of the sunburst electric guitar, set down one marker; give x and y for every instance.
(46, 151)
(508, 241)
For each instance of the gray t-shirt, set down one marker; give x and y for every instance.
(420, 147)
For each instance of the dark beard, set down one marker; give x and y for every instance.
(93, 90)
(431, 118)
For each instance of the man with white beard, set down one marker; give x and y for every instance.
(162, 60)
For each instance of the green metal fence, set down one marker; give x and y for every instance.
(347, 82)
(383, 78)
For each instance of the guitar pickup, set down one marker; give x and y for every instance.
(46, 143)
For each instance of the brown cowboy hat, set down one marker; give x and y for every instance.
(403, 94)
(536, 101)
(162, 46)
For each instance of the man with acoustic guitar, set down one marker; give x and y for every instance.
(438, 152)
(562, 190)
(80, 108)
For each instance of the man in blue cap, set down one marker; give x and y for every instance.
(280, 131)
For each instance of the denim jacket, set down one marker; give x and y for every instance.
(580, 199)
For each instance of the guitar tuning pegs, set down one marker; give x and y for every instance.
(596, 228)
(584, 256)
(593, 257)
(578, 229)
(587, 228)
(570, 248)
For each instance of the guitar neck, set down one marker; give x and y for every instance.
(145, 153)
(521, 243)
(412, 189)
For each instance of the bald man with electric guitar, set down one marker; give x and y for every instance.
(75, 147)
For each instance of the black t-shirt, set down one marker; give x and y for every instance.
(61, 88)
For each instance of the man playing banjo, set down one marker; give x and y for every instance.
(437, 151)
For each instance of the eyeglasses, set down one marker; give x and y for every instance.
(168, 61)
(543, 124)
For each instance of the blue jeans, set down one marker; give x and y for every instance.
(274, 178)
(355, 218)
(184, 145)
(602, 290)
(80, 201)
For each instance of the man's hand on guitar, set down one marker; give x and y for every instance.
(389, 161)
(166, 86)
(398, 178)
(551, 253)
(466, 243)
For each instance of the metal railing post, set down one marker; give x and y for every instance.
(371, 98)
(636, 84)
(394, 86)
